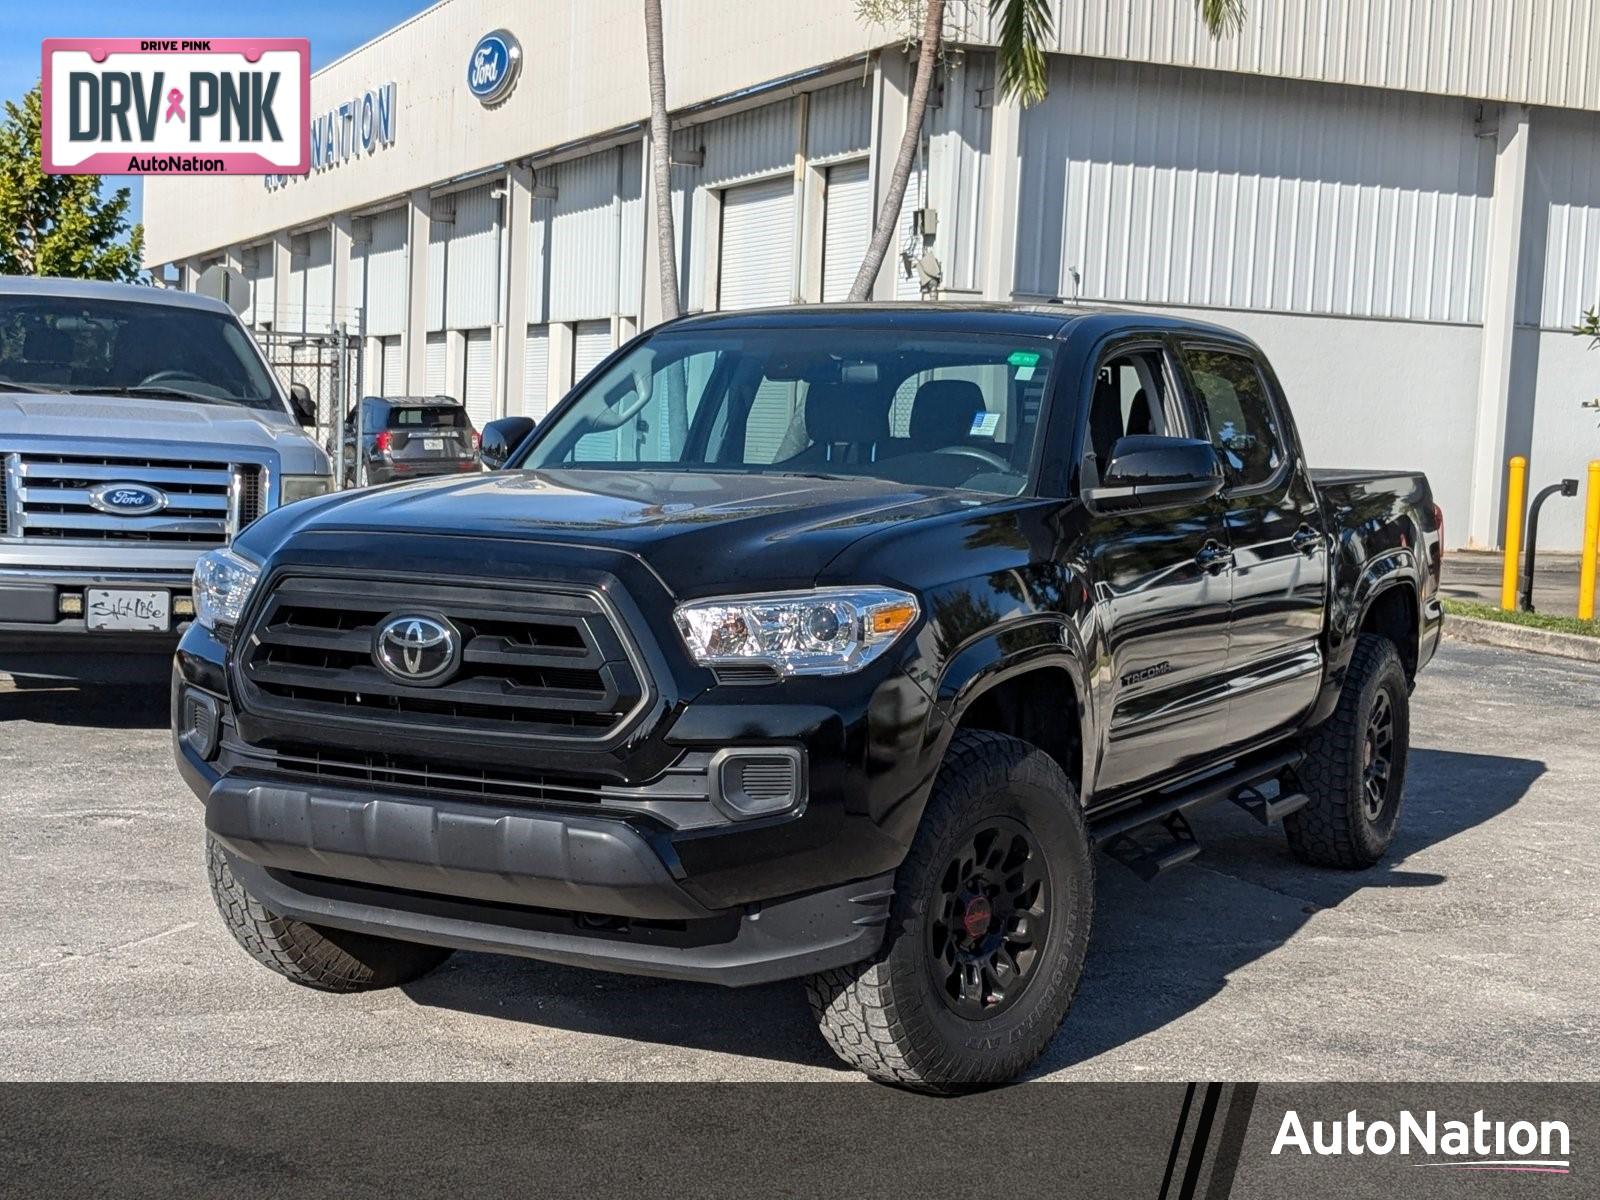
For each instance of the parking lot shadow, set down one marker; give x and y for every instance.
(100, 706)
(1159, 950)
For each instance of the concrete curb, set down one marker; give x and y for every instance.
(1520, 637)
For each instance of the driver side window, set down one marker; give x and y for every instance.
(1132, 396)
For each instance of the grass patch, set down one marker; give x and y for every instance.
(1485, 612)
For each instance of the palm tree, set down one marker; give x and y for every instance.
(1024, 29)
(661, 161)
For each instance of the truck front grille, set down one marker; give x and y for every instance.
(55, 498)
(545, 663)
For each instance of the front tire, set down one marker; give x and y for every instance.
(987, 932)
(1355, 765)
(330, 960)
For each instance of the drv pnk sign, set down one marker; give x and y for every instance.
(169, 106)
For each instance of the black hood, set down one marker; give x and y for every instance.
(701, 533)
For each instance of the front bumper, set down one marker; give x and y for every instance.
(591, 892)
(36, 638)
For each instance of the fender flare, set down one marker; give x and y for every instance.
(1032, 643)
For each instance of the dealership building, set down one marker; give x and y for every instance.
(1398, 199)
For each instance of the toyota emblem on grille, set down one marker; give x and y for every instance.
(127, 499)
(416, 649)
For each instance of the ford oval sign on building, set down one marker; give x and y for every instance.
(496, 59)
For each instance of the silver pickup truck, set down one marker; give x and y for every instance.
(139, 428)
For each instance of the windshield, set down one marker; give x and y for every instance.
(940, 410)
(65, 344)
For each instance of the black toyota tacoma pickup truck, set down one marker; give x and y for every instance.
(822, 642)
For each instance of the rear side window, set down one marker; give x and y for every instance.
(426, 418)
(1238, 414)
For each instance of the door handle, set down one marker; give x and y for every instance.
(1306, 539)
(1214, 558)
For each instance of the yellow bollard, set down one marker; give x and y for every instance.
(1591, 543)
(1516, 505)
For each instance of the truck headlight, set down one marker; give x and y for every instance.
(223, 582)
(830, 631)
(302, 487)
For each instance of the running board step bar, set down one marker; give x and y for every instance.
(1153, 836)
(1269, 811)
(1134, 850)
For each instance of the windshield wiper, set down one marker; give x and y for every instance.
(156, 391)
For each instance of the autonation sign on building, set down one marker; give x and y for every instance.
(153, 106)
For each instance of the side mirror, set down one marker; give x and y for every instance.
(1147, 471)
(501, 437)
(305, 409)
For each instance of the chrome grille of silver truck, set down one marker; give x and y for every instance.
(51, 498)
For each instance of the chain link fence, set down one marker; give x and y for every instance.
(329, 366)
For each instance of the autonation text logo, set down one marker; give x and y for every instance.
(1478, 1144)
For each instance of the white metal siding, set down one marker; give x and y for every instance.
(958, 159)
(1175, 187)
(385, 257)
(846, 227)
(435, 356)
(909, 244)
(839, 123)
(393, 382)
(755, 142)
(438, 266)
(1533, 51)
(1561, 235)
(294, 299)
(757, 245)
(536, 371)
(597, 199)
(472, 270)
(257, 264)
(319, 300)
(539, 259)
(590, 344)
(479, 395)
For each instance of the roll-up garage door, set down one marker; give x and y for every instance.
(757, 263)
(394, 367)
(434, 382)
(591, 343)
(480, 377)
(536, 372)
(846, 228)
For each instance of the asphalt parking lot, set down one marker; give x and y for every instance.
(1471, 954)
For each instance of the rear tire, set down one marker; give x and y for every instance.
(987, 932)
(330, 960)
(1355, 765)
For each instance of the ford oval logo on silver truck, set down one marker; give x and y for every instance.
(496, 59)
(127, 499)
(416, 649)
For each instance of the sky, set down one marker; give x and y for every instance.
(334, 27)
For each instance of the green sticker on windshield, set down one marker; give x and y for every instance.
(1024, 361)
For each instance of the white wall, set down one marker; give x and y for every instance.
(1555, 374)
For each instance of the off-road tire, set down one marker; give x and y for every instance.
(1335, 828)
(331, 960)
(886, 1016)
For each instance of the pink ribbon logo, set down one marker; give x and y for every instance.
(175, 105)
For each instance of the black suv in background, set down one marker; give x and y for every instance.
(815, 642)
(406, 437)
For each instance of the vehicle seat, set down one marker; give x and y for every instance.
(1105, 423)
(846, 423)
(46, 356)
(942, 413)
(1140, 419)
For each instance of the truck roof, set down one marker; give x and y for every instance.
(94, 289)
(1051, 320)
